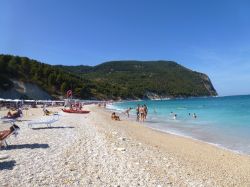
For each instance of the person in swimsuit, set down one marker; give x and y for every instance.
(137, 112)
(142, 113)
(145, 111)
(127, 111)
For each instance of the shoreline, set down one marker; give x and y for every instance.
(201, 147)
(178, 133)
(93, 150)
(195, 139)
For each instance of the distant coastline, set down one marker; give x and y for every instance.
(113, 80)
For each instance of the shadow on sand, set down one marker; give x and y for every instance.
(42, 128)
(7, 165)
(27, 146)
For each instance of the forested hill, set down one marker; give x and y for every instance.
(110, 80)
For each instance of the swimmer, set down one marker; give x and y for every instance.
(175, 116)
(194, 116)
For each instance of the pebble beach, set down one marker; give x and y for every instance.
(92, 150)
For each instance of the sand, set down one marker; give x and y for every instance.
(93, 150)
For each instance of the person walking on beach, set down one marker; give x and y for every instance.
(138, 112)
(142, 113)
(145, 111)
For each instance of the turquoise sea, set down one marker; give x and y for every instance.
(223, 121)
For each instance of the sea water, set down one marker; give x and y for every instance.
(223, 121)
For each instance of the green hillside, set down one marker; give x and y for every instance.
(137, 79)
(110, 80)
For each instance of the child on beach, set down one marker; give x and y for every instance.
(127, 111)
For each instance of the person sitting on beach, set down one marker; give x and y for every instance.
(15, 114)
(46, 112)
(127, 111)
(115, 117)
(9, 114)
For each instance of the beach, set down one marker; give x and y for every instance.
(93, 150)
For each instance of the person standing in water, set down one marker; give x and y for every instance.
(138, 112)
(145, 111)
(142, 113)
(175, 116)
(194, 116)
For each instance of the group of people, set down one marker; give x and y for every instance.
(174, 115)
(141, 112)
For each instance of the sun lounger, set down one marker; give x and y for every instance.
(2, 157)
(6, 120)
(46, 121)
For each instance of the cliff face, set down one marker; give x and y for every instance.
(110, 80)
(24, 90)
(208, 85)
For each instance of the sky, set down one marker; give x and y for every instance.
(209, 36)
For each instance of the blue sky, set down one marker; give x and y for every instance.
(210, 36)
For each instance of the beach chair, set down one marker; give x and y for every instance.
(6, 120)
(4, 135)
(2, 157)
(46, 121)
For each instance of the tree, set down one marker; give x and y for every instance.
(85, 93)
(25, 66)
(12, 67)
(64, 87)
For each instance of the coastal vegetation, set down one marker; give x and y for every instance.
(109, 80)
